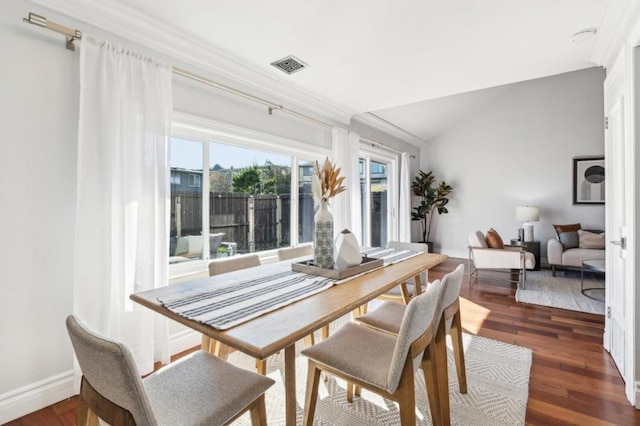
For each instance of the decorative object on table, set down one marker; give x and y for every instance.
(366, 264)
(432, 199)
(520, 234)
(346, 251)
(326, 184)
(528, 214)
(588, 180)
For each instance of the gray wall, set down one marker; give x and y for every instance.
(515, 150)
(38, 116)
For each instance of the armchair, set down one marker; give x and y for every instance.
(509, 257)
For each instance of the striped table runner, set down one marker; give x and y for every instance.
(235, 301)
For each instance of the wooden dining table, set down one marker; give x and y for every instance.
(280, 329)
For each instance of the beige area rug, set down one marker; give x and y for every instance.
(563, 291)
(497, 381)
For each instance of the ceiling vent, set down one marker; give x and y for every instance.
(290, 64)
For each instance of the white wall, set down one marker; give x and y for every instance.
(518, 149)
(38, 115)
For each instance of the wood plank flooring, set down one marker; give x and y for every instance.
(573, 379)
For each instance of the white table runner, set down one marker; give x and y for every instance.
(243, 295)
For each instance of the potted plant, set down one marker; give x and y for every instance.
(432, 198)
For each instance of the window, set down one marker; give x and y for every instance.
(195, 180)
(245, 195)
(378, 194)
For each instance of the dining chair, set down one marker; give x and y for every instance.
(199, 389)
(388, 317)
(293, 252)
(405, 291)
(381, 362)
(221, 266)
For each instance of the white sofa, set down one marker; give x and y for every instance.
(570, 258)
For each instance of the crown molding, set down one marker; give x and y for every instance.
(384, 126)
(621, 18)
(139, 28)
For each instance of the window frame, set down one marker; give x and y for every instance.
(371, 153)
(203, 130)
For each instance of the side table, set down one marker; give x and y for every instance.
(531, 247)
(594, 266)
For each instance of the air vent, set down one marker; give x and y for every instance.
(290, 64)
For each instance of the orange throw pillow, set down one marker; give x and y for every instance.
(494, 240)
(567, 228)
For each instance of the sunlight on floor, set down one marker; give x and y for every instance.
(474, 315)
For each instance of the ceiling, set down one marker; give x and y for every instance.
(392, 58)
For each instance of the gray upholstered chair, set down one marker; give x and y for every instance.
(233, 263)
(406, 291)
(199, 389)
(388, 317)
(381, 362)
(293, 252)
(221, 266)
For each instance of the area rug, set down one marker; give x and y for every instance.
(563, 291)
(497, 381)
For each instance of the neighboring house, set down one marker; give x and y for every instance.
(515, 148)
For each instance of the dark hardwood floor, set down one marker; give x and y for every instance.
(573, 379)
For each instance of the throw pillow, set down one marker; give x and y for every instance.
(590, 240)
(569, 239)
(494, 240)
(566, 228)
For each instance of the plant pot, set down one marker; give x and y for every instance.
(429, 245)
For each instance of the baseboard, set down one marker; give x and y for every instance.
(184, 340)
(27, 399)
(36, 396)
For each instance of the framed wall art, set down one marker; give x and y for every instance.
(588, 180)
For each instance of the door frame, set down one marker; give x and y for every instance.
(627, 67)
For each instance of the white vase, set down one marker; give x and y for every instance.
(347, 251)
(323, 237)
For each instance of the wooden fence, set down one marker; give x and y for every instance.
(253, 222)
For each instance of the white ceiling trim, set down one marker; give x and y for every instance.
(138, 28)
(384, 126)
(622, 17)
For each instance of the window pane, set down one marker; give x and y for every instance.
(186, 201)
(379, 196)
(363, 201)
(249, 201)
(305, 202)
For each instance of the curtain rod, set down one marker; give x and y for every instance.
(380, 145)
(73, 35)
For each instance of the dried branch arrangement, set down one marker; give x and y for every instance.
(327, 182)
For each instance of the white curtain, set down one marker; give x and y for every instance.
(122, 228)
(345, 207)
(404, 209)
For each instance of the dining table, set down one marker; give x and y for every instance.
(280, 329)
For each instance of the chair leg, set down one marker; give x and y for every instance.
(553, 270)
(430, 371)
(309, 340)
(350, 387)
(221, 350)
(443, 375)
(458, 352)
(325, 332)
(261, 366)
(407, 399)
(84, 415)
(206, 343)
(259, 412)
(313, 381)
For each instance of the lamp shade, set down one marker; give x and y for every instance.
(527, 214)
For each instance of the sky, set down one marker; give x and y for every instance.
(188, 155)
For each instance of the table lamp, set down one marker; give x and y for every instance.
(528, 214)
